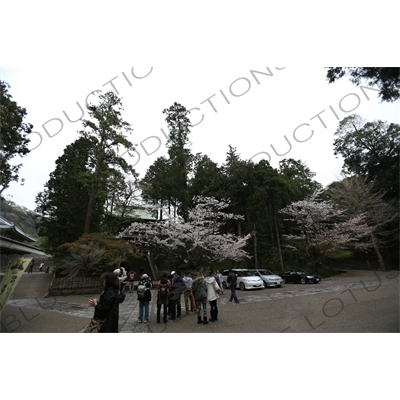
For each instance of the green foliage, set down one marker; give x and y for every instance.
(63, 203)
(371, 149)
(340, 255)
(13, 137)
(208, 178)
(87, 191)
(157, 185)
(180, 157)
(92, 255)
(299, 178)
(106, 133)
(387, 78)
(122, 200)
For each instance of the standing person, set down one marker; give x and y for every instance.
(141, 272)
(144, 298)
(41, 266)
(121, 274)
(219, 281)
(108, 306)
(30, 271)
(200, 295)
(131, 280)
(188, 293)
(212, 295)
(231, 280)
(163, 294)
(177, 288)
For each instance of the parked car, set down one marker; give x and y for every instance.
(269, 278)
(245, 279)
(300, 276)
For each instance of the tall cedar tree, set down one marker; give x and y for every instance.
(63, 203)
(106, 132)
(179, 154)
(158, 185)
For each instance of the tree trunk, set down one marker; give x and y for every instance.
(89, 210)
(377, 252)
(255, 248)
(279, 243)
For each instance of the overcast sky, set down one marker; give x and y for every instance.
(265, 112)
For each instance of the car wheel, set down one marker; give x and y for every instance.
(241, 285)
(265, 285)
(224, 285)
(303, 281)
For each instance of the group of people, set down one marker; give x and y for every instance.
(198, 293)
(31, 265)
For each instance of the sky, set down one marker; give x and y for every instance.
(268, 113)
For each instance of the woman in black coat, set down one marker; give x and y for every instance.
(108, 305)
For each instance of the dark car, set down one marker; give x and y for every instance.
(300, 276)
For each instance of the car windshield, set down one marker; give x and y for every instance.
(302, 273)
(247, 273)
(265, 272)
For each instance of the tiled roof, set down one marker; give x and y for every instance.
(10, 230)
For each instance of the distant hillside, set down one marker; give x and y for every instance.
(20, 216)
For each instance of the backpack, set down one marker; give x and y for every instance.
(200, 290)
(140, 290)
(163, 291)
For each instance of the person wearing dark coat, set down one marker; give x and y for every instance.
(177, 289)
(163, 301)
(200, 295)
(232, 281)
(107, 307)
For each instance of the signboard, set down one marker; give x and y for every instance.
(11, 278)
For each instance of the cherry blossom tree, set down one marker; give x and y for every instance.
(323, 228)
(197, 242)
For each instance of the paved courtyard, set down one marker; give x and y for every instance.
(357, 301)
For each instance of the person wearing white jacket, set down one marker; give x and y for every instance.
(212, 296)
(121, 273)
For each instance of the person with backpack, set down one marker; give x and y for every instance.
(177, 288)
(200, 294)
(144, 298)
(163, 294)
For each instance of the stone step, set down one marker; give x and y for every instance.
(32, 286)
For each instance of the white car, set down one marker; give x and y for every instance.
(245, 279)
(269, 278)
